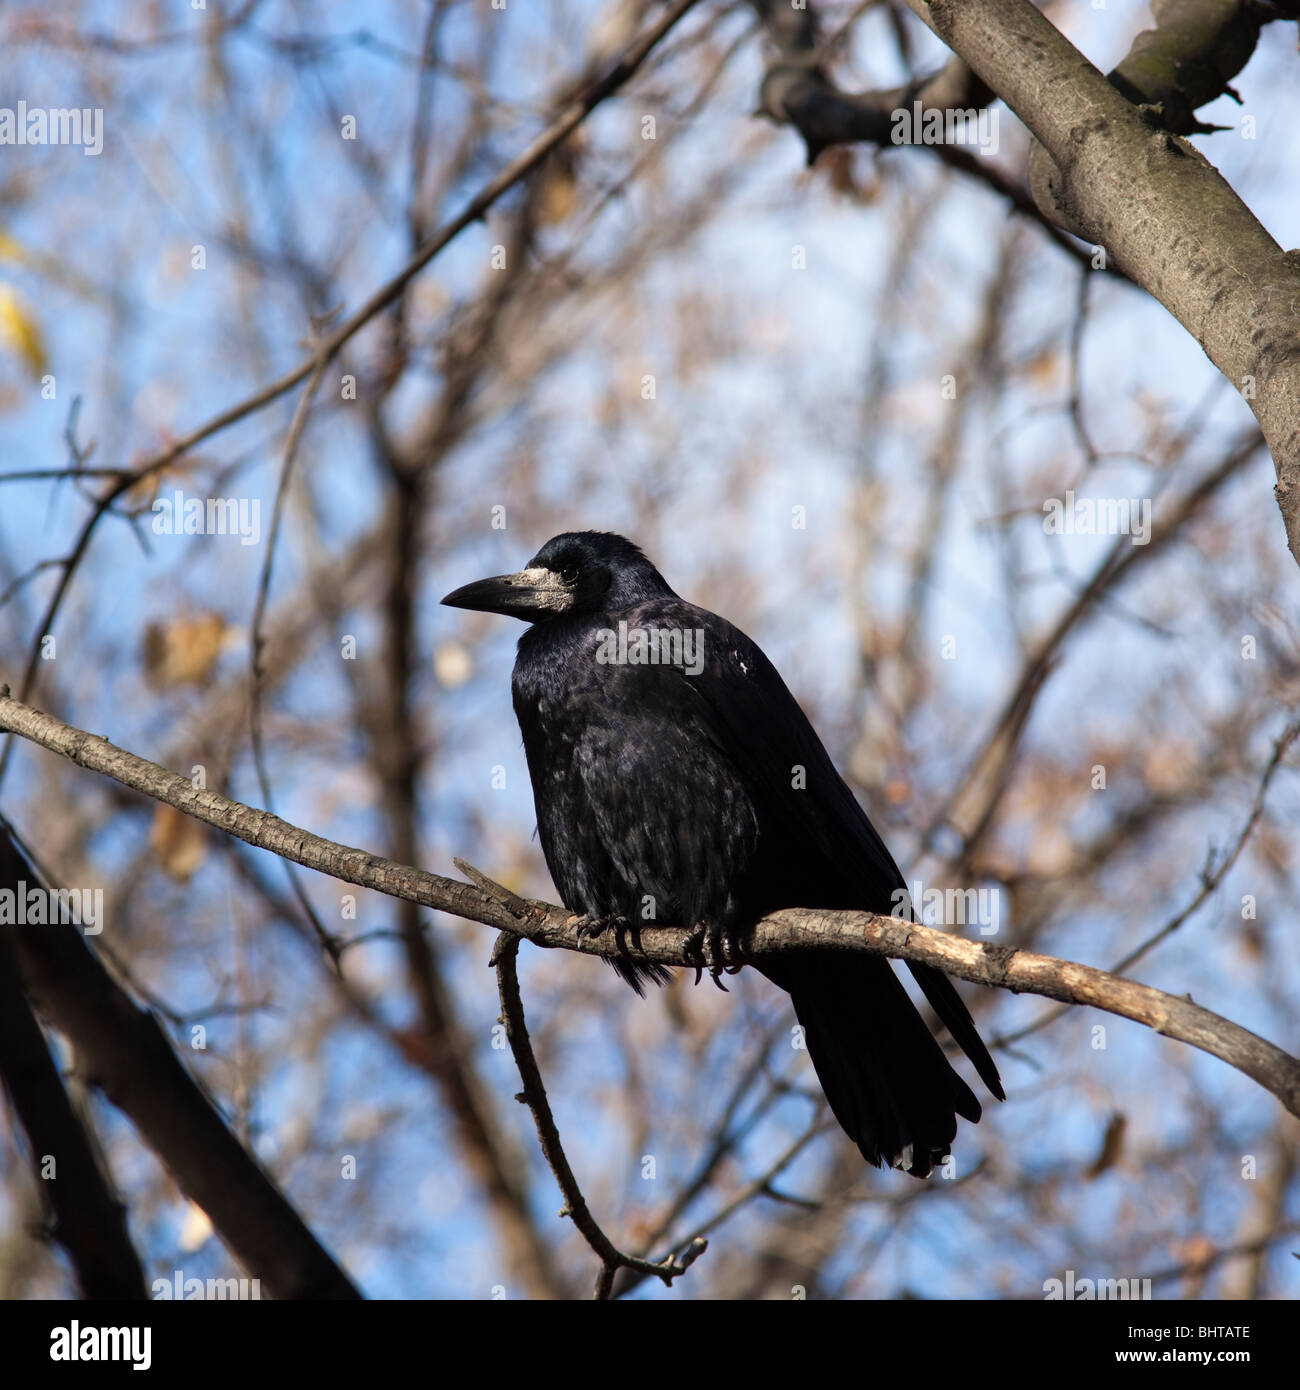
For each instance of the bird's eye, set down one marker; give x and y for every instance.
(569, 574)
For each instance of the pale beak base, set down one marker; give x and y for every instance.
(529, 594)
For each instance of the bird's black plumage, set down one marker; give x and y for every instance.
(692, 790)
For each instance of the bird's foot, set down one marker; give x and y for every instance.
(717, 949)
(595, 927)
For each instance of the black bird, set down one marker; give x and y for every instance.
(677, 781)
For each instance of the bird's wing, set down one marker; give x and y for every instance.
(737, 697)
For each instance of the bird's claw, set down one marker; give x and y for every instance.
(717, 948)
(594, 927)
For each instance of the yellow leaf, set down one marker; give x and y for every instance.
(19, 332)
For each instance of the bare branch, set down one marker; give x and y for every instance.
(794, 929)
(121, 1049)
(1162, 211)
(88, 1220)
(574, 113)
(534, 1096)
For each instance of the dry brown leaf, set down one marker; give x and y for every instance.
(838, 166)
(559, 197)
(897, 791)
(1112, 1145)
(178, 841)
(183, 651)
(1044, 369)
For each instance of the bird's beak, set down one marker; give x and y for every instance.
(529, 595)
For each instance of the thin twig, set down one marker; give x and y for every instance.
(257, 671)
(1211, 876)
(534, 1096)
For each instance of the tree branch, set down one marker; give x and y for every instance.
(1213, 874)
(88, 1220)
(1107, 165)
(534, 1096)
(1189, 57)
(121, 1049)
(1166, 216)
(796, 90)
(575, 112)
(793, 929)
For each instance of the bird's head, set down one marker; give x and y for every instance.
(576, 572)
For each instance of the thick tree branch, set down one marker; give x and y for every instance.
(1190, 56)
(88, 1220)
(793, 929)
(121, 1049)
(1165, 215)
(1107, 165)
(797, 91)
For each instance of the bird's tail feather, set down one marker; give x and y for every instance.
(885, 1075)
(946, 1002)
